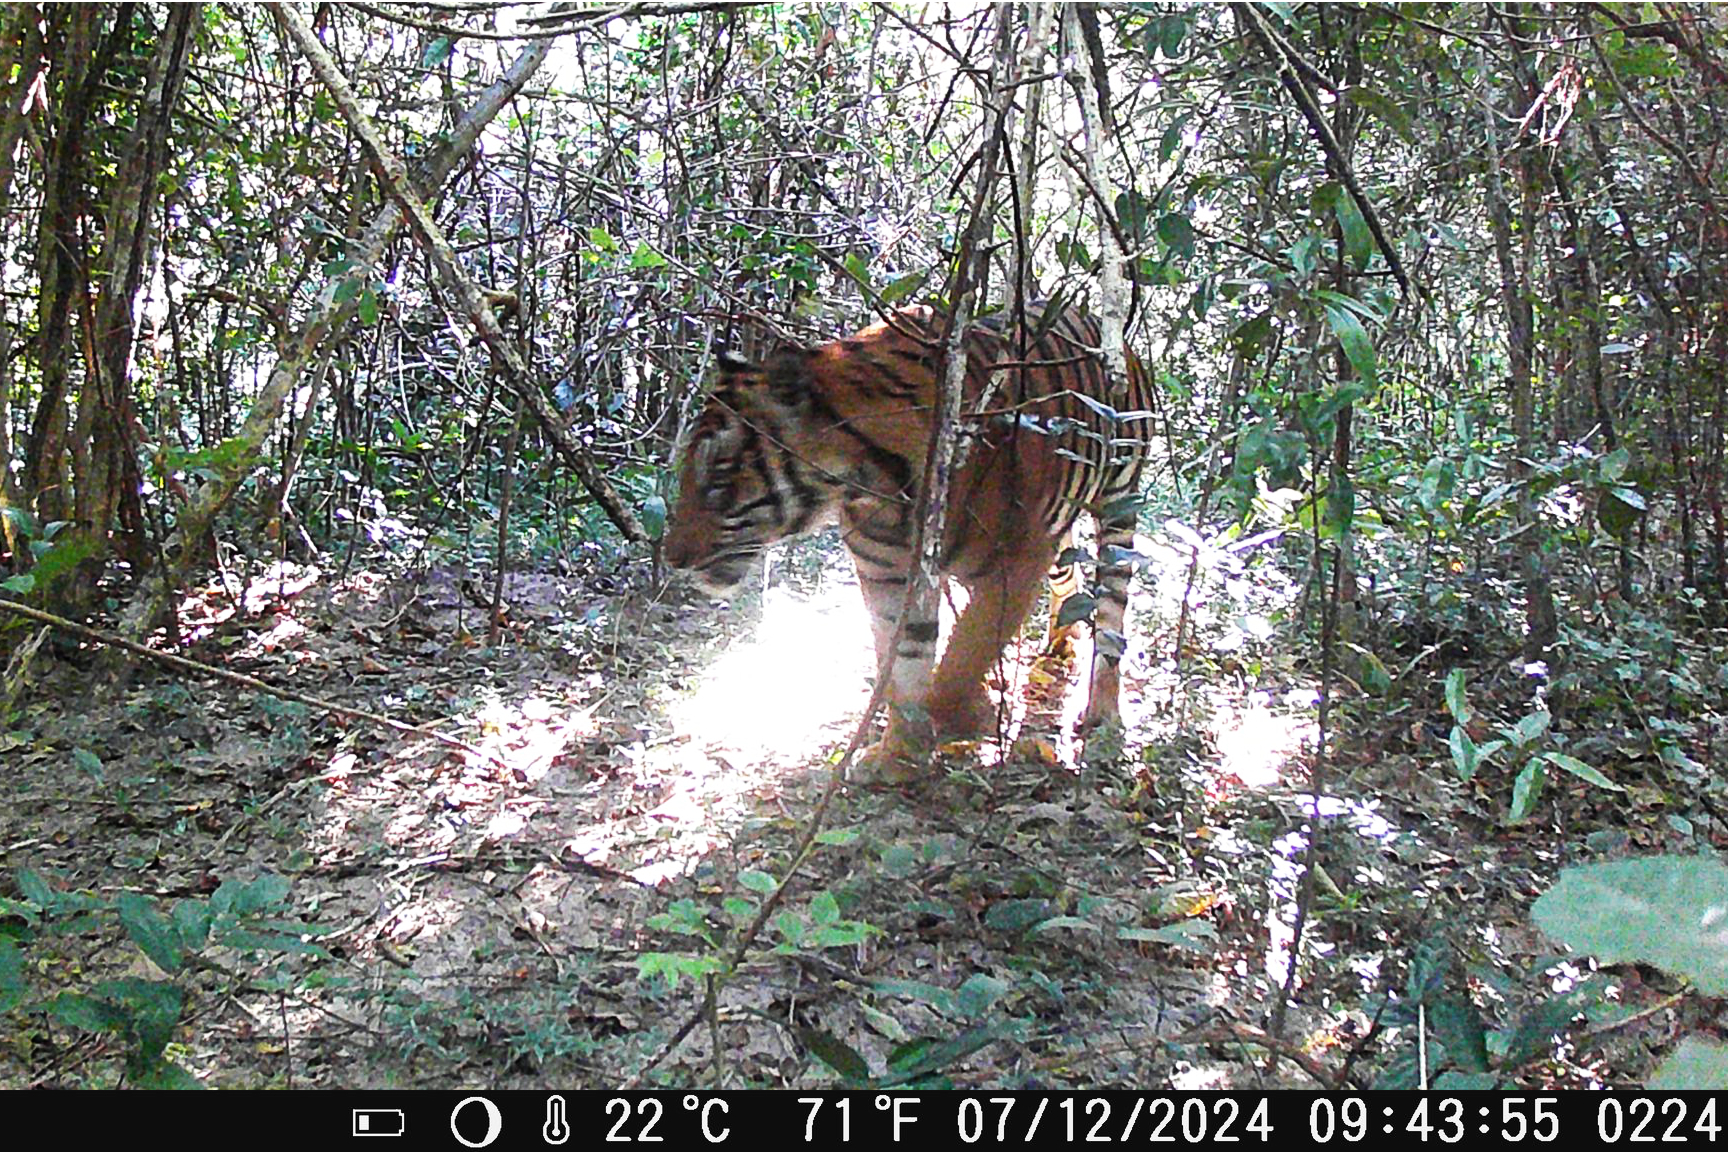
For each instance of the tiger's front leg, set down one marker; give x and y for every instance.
(911, 661)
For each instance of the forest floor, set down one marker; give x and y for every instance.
(543, 913)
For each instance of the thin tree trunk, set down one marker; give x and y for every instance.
(394, 178)
(195, 519)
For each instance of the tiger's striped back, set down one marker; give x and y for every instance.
(842, 432)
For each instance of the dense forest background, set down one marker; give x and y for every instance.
(344, 353)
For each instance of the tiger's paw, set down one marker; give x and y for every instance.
(1060, 649)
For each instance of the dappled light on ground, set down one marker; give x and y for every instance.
(793, 684)
(1258, 746)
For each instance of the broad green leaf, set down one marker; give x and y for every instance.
(1695, 1065)
(88, 1013)
(1463, 752)
(1668, 911)
(1614, 464)
(1358, 347)
(1526, 790)
(1458, 1025)
(653, 514)
(436, 52)
(901, 287)
(1177, 232)
(1017, 915)
(155, 935)
(858, 267)
(1077, 607)
(1456, 703)
(11, 975)
(1384, 109)
(978, 993)
(1581, 770)
(1529, 728)
(1358, 241)
(1196, 935)
(758, 881)
(835, 1053)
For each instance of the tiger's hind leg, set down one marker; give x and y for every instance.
(1064, 583)
(959, 703)
(1109, 641)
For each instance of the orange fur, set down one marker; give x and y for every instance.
(841, 432)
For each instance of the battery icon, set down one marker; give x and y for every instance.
(377, 1122)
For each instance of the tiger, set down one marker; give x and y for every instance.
(841, 432)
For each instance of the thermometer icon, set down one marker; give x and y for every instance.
(555, 1130)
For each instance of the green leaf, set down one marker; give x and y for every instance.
(1455, 699)
(1177, 232)
(1581, 770)
(824, 909)
(858, 267)
(939, 998)
(901, 287)
(1618, 510)
(155, 935)
(1250, 335)
(1529, 728)
(838, 1055)
(34, 889)
(436, 52)
(1017, 915)
(21, 520)
(646, 257)
(1463, 749)
(368, 308)
(1438, 480)
(1195, 935)
(758, 881)
(1526, 790)
(838, 836)
(1358, 241)
(1175, 27)
(1458, 1025)
(88, 1013)
(11, 975)
(979, 993)
(672, 965)
(653, 515)
(1358, 347)
(23, 583)
(1695, 1065)
(1614, 464)
(1667, 911)
(1388, 111)
(1077, 607)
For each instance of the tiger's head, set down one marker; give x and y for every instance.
(751, 472)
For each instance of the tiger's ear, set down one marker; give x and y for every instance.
(788, 372)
